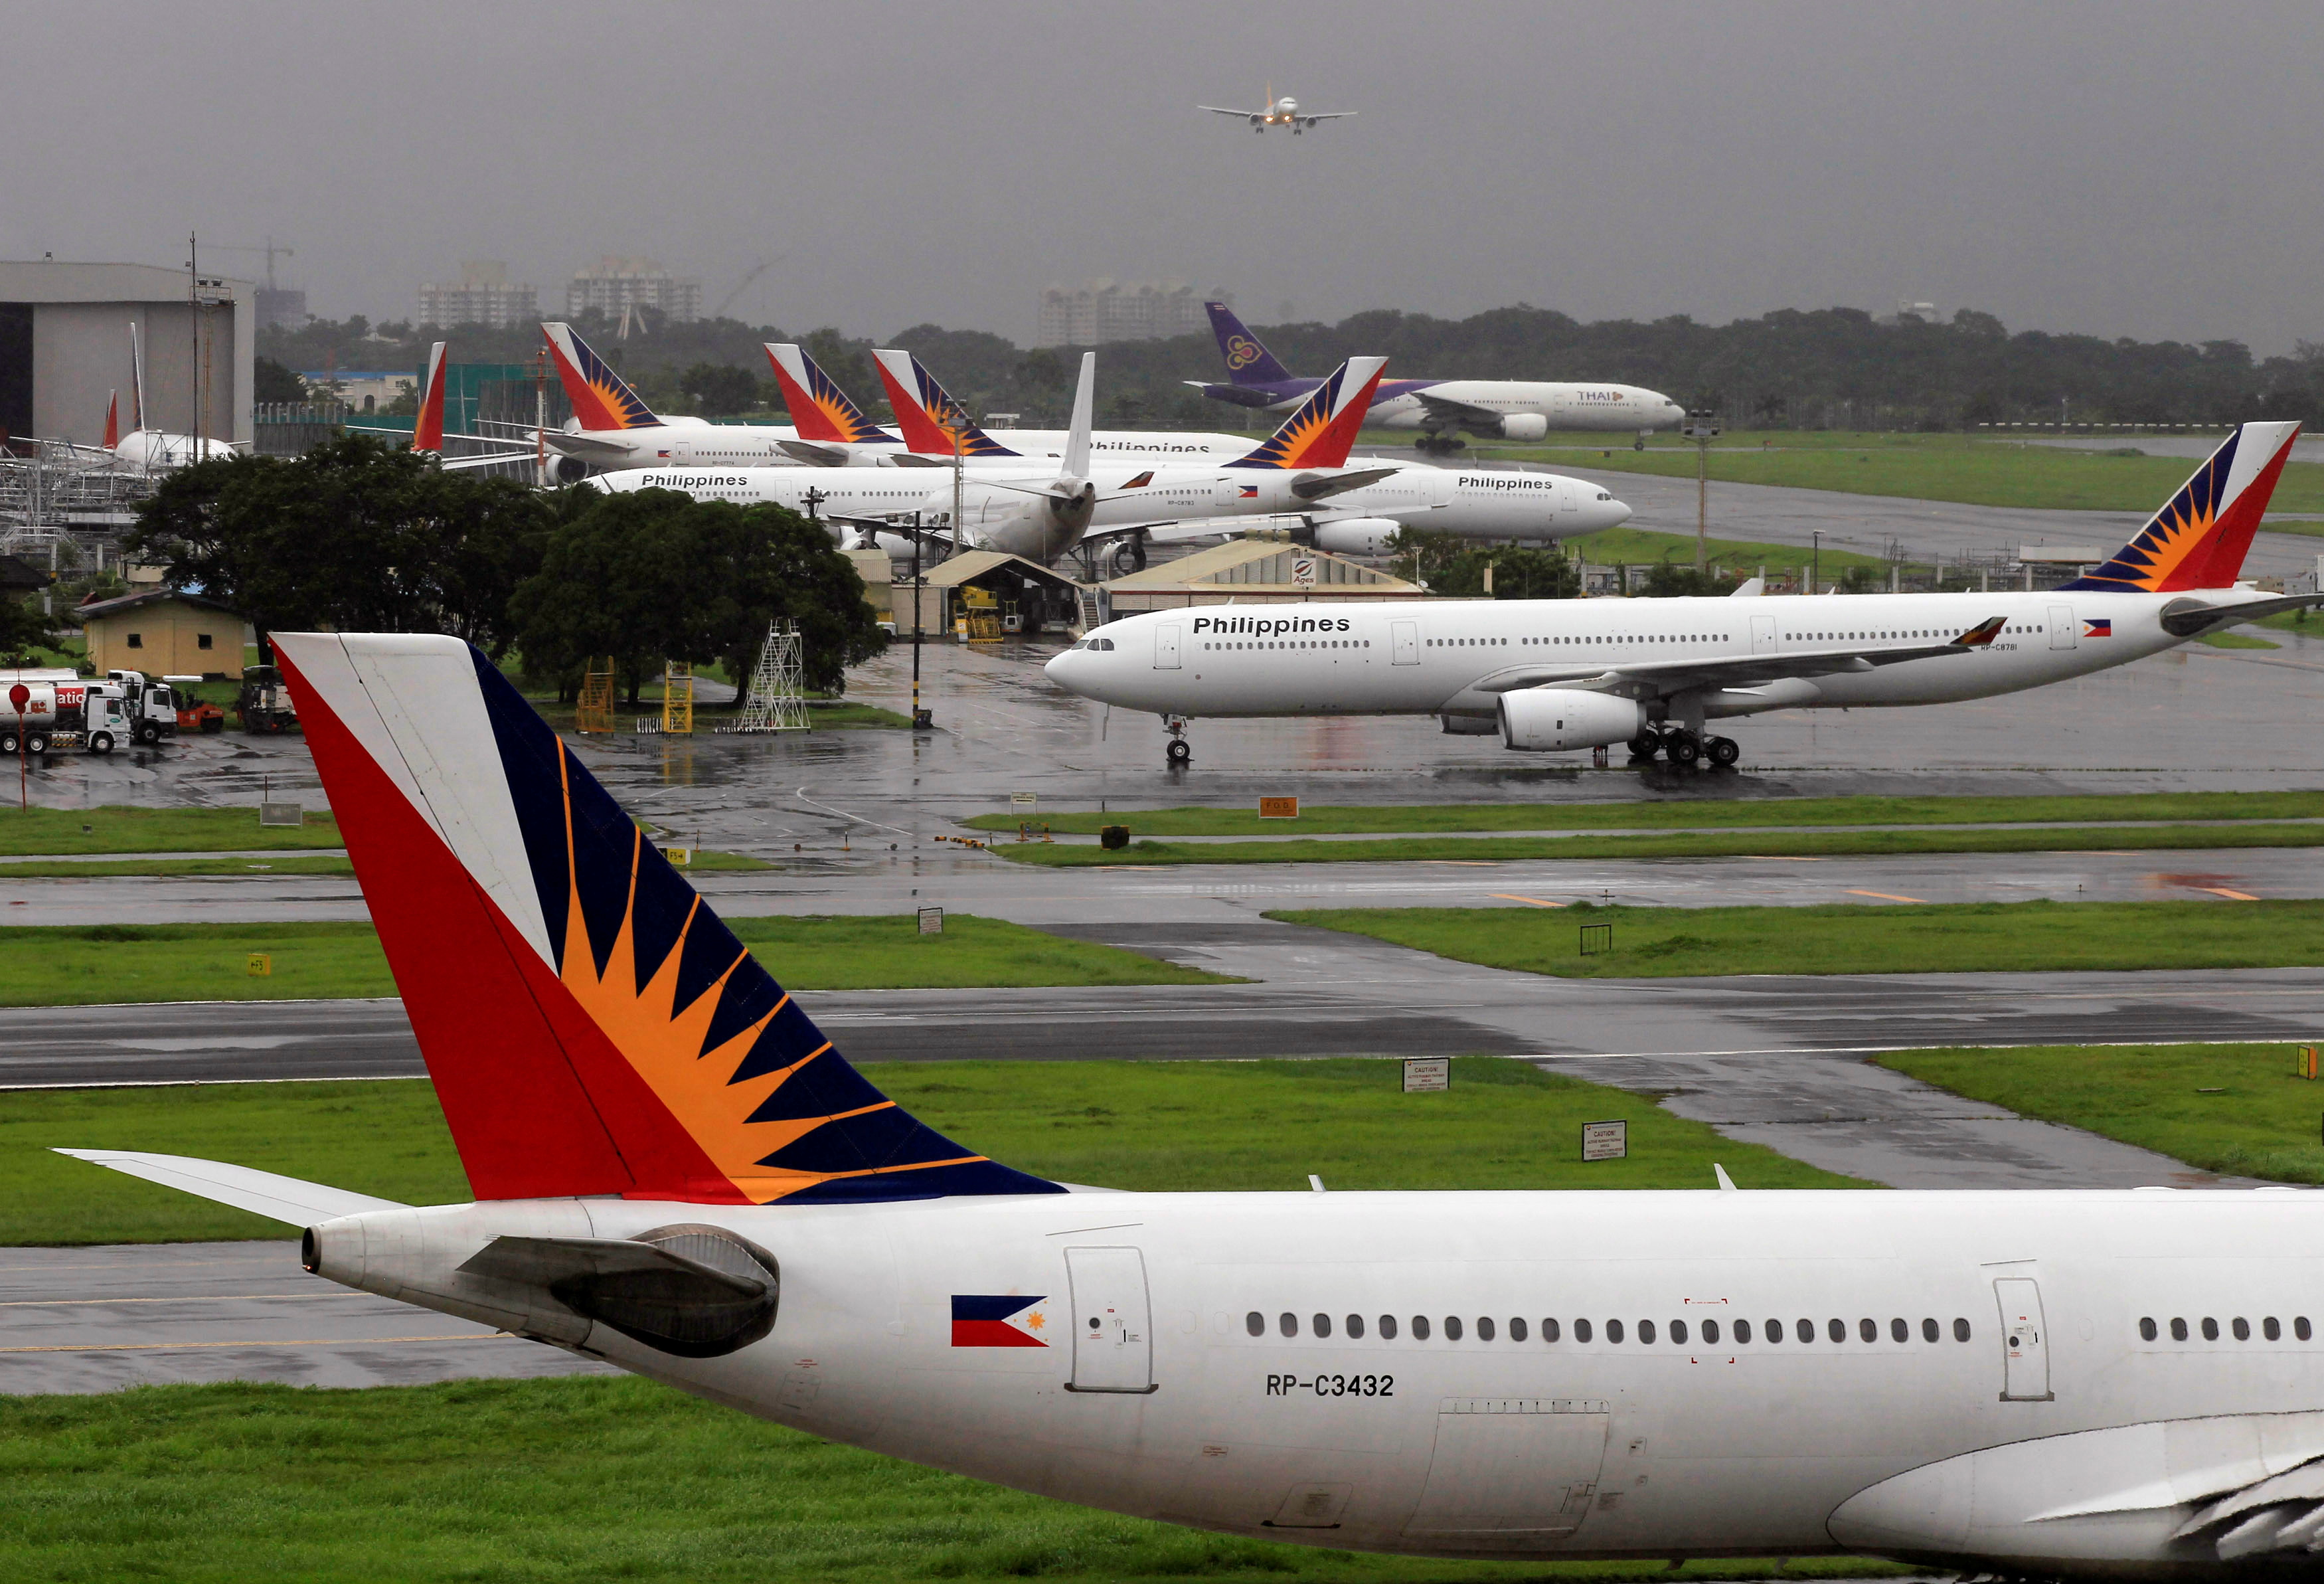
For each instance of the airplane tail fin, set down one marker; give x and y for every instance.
(2199, 540)
(926, 412)
(600, 398)
(1247, 362)
(1321, 433)
(427, 428)
(112, 419)
(137, 379)
(590, 1025)
(819, 409)
(1077, 437)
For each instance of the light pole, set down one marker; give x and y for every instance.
(1702, 428)
(921, 719)
(1815, 561)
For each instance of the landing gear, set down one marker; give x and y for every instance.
(1682, 746)
(1439, 445)
(1722, 751)
(1643, 748)
(1180, 752)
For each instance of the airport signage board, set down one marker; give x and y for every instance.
(1427, 1074)
(932, 921)
(1303, 571)
(1024, 799)
(1605, 1141)
(1279, 808)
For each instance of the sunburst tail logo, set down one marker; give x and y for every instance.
(602, 399)
(1321, 432)
(819, 409)
(591, 1025)
(926, 412)
(2200, 538)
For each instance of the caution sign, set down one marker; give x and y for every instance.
(1427, 1074)
(1279, 808)
(1605, 1141)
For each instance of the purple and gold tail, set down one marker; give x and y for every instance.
(1247, 362)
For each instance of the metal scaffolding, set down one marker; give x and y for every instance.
(777, 698)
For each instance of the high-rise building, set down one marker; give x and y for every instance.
(619, 284)
(1102, 310)
(484, 296)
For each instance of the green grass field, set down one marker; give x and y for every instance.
(1489, 849)
(2030, 936)
(1924, 467)
(86, 965)
(115, 829)
(1162, 1127)
(2238, 1109)
(1643, 547)
(1325, 820)
(579, 1480)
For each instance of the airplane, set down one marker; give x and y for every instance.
(1562, 675)
(676, 1173)
(427, 426)
(152, 450)
(1282, 112)
(1501, 409)
(1041, 510)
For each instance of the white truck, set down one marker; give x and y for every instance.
(45, 716)
(153, 706)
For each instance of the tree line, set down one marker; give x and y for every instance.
(1827, 368)
(356, 537)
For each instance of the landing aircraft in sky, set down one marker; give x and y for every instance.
(1280, 112)
(1566, 674)
(679, 1173)
(1497, 409)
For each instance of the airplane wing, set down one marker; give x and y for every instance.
(1222, 110)
(1328, 115)
(582, 444)
(1655, 678)
(483, 459)
(1466, 414)
(1178, 530)
(1318, 487)
(2184, 618)
(815, 453)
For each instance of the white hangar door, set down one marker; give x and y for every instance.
(1114, 1334)
(1511, 1470)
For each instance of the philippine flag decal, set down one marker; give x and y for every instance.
(998, 1320)
(1249, 492)
(2098, 628)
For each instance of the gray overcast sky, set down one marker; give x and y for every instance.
(2114, 168)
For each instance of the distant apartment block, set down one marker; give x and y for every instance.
(618, 285)
(1098, 311)
(484, 296)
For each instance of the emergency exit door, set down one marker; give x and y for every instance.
(1114, 1335)
(2024, 1341)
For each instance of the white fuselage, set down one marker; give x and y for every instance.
(1562, 405)
(693, 443)
(1514, 1375)
(154, 451)
(1430, 657)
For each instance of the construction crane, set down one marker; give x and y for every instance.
(744, 284)
(271, 250)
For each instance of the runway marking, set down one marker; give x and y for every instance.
(1886, 896)
(1513, 896)
(286, 1342)
(2223, 891)
(1778, 859)
(191, 1298)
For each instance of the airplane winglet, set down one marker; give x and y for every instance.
(1981, 635)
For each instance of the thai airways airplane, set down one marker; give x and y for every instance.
(152, 450)
(679, 1173)
(1561, 674)
(1502, 409)
(1041, 509)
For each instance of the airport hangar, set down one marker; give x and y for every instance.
(64, 346)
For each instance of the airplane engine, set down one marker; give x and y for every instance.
(568, 469)
(1358, 535)
(1548, 719)
(1524, 426)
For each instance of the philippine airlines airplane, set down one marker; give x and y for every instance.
(676, 1173)
(1504, 409)
(929, 420)
(427, 427)
(1282, 112)
(1562, 674)
(1041, 509)
(152, 450)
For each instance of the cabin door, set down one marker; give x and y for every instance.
(1762, 634)
(1404, 643)
(2025, 1341)
(1166, 647)
(1113, 1336)
(1514, 1471)
(2061, 626)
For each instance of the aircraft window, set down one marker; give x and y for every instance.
(1868, 1328)
(1420, 1327)
(1613, 1330)
(1898, 1331)
(1356, 1326)
(1387, 1328)
(2178, 1330)
(1452, 1328)
(1678, 1332)
(1485, 1329)
(1288, 1324)
(1581, 1330)
(2210, 1329)
(1836, 1328)
(1645, 1331)
(1517, 1329)
(1929, 1331)
(2242, 1328)
(2146, 1329)
(1961, 1330)
(1255, 1323)
(1710, 1331)
(2299, 1327)
(1322, 1325)
(1804, 1330)
(1775, 1331)
(1742, 1330)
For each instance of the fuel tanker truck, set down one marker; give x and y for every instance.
(48, 712)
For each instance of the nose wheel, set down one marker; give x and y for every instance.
(1180, 751)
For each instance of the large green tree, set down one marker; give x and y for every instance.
(652, 575)
(354, 536)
